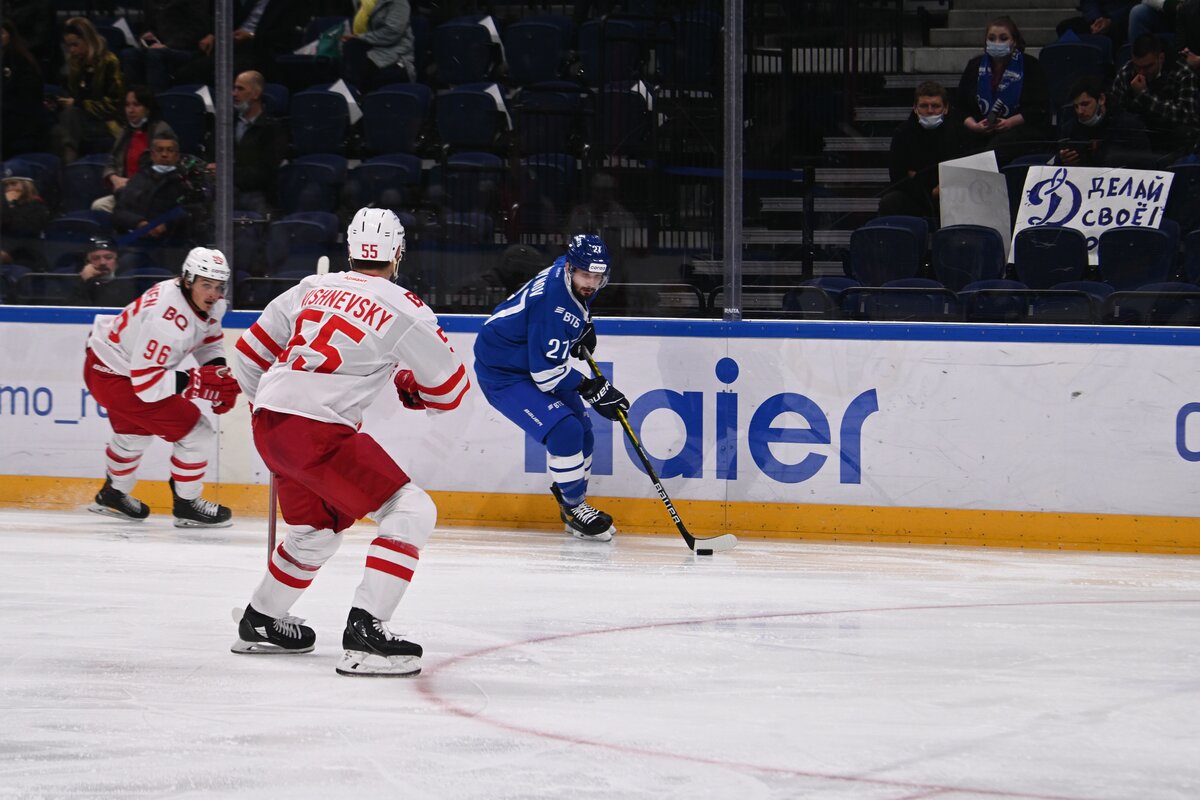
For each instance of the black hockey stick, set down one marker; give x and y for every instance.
(702, 547)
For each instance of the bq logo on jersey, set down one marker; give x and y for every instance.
(715, 423)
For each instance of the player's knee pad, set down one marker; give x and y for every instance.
(195, 444)
(566, 437)
(129, 444)
(409, 515)
(311, 546)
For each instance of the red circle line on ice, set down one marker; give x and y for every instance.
(427, 687)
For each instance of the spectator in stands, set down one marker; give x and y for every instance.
(263, 29)
(1099, 134)
(1004, 96)
(177, 33)
(1162, 92)
(23, 114)
(1104, 17)
(379, 48)
(97, 284)
(155, 205)
(91, 98)
(259, 149)
(921, 142)
(143, 124)
(21, 224)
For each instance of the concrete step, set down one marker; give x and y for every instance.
(947, 59)
(1025, 18)
(910, 80)
(852, 175)
(973, 37)
(964, 5)
(857, 144)
(881, 113)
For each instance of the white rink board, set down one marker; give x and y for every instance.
(972, 422)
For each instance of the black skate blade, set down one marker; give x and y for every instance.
(191, 523)
(105, 511)
(244, 648)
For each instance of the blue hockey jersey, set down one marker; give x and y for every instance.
(529, 336)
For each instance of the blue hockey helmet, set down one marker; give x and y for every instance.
(587, 252)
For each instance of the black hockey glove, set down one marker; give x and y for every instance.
(587, 340)
(603, 396)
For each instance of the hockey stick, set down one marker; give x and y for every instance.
(323, 265)
(701, 547)
(272, 502)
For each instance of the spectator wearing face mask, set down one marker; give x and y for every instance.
(1004, 96)
(1099, 134)
(259, 146)
(131, 153)
(924, 140)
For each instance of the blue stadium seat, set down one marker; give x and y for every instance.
(1183, 205)
(1131, 257)
(687, 59)
(994, 300)
(882, 253)
(906, 299)
(394, 117)
(470, 182)
(1164, 303)
(467, 118)
(611, 51)
(1045, 256)
(623, 123)
(184, 110)
(319, 122)
(534, 51)
(462, 53)
(277, 99)
(66, 237)
(468, 228)
(296, 242)
(549, 118)
(965, 254)
(311, 183)
(1191, 256)
(83, 182)
(545, 192)
(1066, 62)
(388, 181)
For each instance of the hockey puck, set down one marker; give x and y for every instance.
(704, 552)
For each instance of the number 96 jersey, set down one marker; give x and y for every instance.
(153, 335)
(325, 348)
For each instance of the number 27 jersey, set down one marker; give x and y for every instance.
(325, 348)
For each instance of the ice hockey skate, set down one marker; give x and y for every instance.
(260, 634)
(112, 503)
(373, 650)
(584, 521)
(199, 513)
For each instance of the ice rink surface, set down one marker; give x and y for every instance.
(556, 668)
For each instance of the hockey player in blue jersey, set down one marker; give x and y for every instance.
(521, 361)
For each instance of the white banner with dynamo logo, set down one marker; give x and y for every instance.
(1092, 200)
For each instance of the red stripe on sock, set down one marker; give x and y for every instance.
(175, 462)
(288, 558)
(185, 478)
(403, 573)
(287, 580)
(397, 545)
(119, 472)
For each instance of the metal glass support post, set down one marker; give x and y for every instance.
(223, 145)
(732, 185)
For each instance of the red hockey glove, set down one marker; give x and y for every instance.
(407, 391)
(215, 384)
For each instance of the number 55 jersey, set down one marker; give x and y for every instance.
(326, 347)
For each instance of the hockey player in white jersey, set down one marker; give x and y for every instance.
(131, 370)
(317, 357)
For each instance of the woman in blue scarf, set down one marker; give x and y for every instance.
(1004, 95)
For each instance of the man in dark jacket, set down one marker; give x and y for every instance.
(259, 149)
(1161, 90)
(155, 208)
(173, 37)
(98, 284)
(1099, 134)
(924, 140)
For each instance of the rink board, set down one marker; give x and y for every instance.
(1037, 436)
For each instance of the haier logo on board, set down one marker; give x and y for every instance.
(697, 413)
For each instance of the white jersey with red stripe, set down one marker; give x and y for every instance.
(153, 335)
(325, 348)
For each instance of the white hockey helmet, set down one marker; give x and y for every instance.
(204, 262)
(375, 234)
